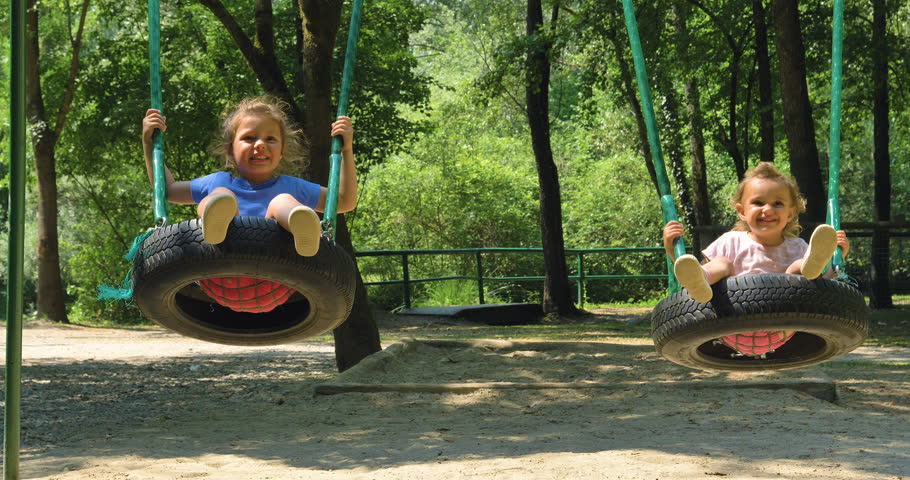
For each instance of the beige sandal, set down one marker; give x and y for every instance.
(822, 245)
(692, 277)
(304, 224)
(219, 212)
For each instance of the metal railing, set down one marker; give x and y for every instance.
(580, 277)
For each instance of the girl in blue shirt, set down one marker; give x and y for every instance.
(255, 136)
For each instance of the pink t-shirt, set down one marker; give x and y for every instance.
(751, 257)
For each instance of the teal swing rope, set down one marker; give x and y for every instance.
(668, 207)
(347, 78)
(161, 214)
(666, 200)
(125, 290)
(837, 68)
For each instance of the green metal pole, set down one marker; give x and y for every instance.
(161, 213)
(667, 204)
(837, 66)
(13, 379)
(347, 77)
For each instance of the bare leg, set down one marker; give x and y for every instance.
(217, 210)
(298, 219)
(822, 245)
(697, 279)
(718, 269)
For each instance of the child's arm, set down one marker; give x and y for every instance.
(347, 181)
(672, 231)
(177, 192)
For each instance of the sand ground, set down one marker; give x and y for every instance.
(147, 404)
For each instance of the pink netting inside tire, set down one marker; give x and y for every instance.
(757, 343)
(246, 294)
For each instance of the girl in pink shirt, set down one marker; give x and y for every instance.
(765, 240)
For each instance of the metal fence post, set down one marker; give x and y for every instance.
(479, 277)
(406, 277)
(581, 279)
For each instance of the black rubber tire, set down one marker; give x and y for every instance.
(830, 317)
(174, 257)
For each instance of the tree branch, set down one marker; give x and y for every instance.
(70, 87)
(265, 29)
(240, 38)
(260, 57)
(102, 210)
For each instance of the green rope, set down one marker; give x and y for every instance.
(667, 204)
(837, 63)
(158, 169)
(347, 77)
(125, 290)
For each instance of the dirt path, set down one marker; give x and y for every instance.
(147, 404)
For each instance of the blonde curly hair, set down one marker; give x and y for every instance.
(767, 171)
(292, 148)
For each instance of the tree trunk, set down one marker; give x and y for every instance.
(51, 298)
(557, 297)
(673, 126)
(51, 293)
(730, 139)
(674, 151)
(321, 21)
(765, 102)
(804, 163)
(881, 289)
(358, 337)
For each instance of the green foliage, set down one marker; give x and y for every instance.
(442, 140)
(105, 196)
(30, 264)
(389, 93)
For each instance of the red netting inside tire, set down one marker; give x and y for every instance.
(757, 343)
(246, 294)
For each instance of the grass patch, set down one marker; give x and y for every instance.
(643, 303)
(890, 328)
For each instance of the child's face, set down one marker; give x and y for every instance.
(766, 207)
(257, 147)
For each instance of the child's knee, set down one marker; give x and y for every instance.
(281, 205)
(220, 190)
(284, 199)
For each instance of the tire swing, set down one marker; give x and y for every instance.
(765, 321)
(253, 288)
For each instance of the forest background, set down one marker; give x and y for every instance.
(443, 142)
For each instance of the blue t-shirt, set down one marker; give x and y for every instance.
(253, 198)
